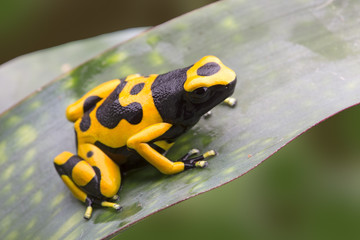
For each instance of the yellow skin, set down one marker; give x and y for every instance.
(138, 117)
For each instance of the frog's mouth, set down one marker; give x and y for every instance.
(230, 87)
(221, 92)
(218, 94)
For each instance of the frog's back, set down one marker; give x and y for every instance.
(128, 109)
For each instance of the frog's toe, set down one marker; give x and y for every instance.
(201, 164)
(190, 153)
(210, 153)
(207, 115)
(194, 151)
(115, 198)
(116, 206)
(230, 101)
(88, 212)
(197, 162)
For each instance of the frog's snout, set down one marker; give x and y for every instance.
(231, 86)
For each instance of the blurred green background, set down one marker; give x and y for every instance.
(308, 190)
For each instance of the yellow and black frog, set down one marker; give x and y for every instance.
(138, 117)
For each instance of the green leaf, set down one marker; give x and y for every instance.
(43, 66)
(296, 63)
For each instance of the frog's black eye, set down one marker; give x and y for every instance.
(201, 92)
(199, 95)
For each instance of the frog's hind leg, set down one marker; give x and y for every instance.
(83, 176)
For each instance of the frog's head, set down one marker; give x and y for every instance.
(208, 83)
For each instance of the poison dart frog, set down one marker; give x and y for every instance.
(139, 117)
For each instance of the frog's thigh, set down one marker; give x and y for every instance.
(139, 142)
(107, 170)
(64, 165)
(76, 110)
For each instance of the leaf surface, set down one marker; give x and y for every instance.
(28, 73)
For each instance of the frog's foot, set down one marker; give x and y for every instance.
(89, 208)
(207, 115)
(196, 162)
(230, 101)
(190, 153)
(115, 206)
(88, 212)
(115, 197)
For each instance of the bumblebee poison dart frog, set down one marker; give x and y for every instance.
(138, 117)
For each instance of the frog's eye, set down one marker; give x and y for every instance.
(199, 95)
(201, 92)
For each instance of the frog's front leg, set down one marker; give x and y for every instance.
(139, 142)
(91, 176)
(197, 161)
